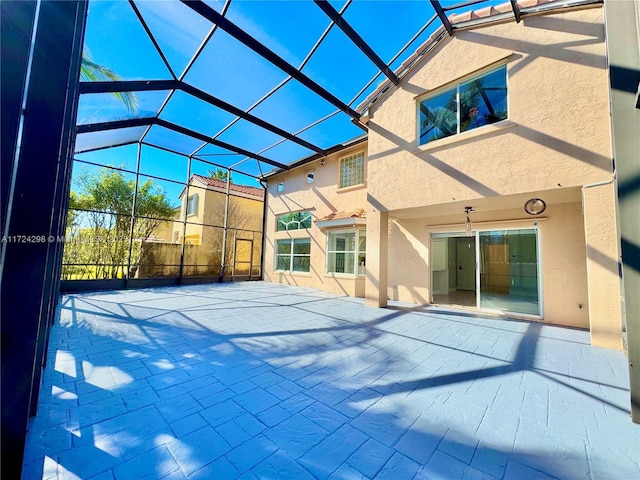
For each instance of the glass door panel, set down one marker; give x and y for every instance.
(509, 271)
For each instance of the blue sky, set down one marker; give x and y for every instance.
(229, 70)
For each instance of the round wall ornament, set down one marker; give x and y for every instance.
(535, 206)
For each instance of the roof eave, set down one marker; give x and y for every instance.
(311, 158)
(342, 222)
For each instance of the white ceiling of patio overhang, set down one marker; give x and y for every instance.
(256, 85)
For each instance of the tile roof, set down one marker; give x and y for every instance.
(358, 213)
(215, 184)
(493, 10)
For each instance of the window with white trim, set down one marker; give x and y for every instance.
(351, 170)
(293, 254)
(192, 205)
(466, 106)
(293, 221)
(346, 251)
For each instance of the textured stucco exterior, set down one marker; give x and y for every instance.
(557, 134)
(602, 265)
(563, 258)
(204, 233)
(321, 198)
(555, 145)
(243, 213)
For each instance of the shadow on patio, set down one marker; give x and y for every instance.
(267, 381)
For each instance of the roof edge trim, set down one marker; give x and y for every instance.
(343, 222)
(306, 160)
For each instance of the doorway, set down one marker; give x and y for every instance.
(494, 270)
(509, 271)
(242, 258)
(453, 260)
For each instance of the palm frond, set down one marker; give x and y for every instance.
(91, 71)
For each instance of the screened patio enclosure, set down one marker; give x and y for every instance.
(236, 88)
(171, 91)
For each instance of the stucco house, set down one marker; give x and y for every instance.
(486, 181)
(204, 205)
(200, 220)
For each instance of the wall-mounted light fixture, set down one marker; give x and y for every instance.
(535, 206)
(322, 161)
(468, 211)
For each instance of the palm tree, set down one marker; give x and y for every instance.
(219, 174)
(94, 72)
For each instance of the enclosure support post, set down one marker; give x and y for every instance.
(623, 40)
(223, 260)
(41, 56)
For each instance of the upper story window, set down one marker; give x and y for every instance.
(465, 106)
(346, 252)
(352, 170)
(293, 221)
(192, 205)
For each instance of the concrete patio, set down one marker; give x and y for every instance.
(258, 380)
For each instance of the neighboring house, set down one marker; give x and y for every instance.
(203, 203)
(165, 231)
(493, 118)
(200, 220)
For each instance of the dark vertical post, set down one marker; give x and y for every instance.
(60, 205)
(223, 266)
(33, 206)
(263, 238)
(132, 227)
(623, 40)
(251, 256)
(16, 24)
(183, 205)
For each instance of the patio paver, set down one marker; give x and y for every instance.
(259, 380)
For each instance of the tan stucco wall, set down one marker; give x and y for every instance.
(244, 213)
(557, 133)
(321, 197)
(556, 140)
(205, 231)
(193, 231)
(563, 258)
(602, 265)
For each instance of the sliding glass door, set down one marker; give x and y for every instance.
(508, 271)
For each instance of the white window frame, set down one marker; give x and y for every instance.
(292, 255)
(298, 222)
(192, 204)
(357, 177)
(456, 86)
(358, 269)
